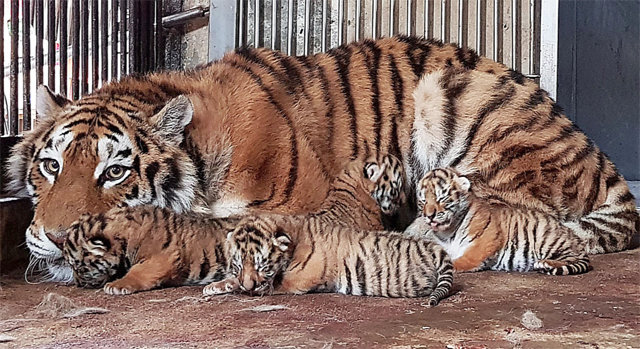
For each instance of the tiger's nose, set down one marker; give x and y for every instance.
(57, 239)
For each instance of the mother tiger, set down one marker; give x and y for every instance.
(262, 130)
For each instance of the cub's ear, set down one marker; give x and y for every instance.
(229, 235)
(463, 183)
(173, 118)
(281, 240)
(48, 103)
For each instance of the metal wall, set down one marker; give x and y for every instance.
(599, 77)
(505, 30)
(72, 46)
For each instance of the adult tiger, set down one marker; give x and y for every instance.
(262, 130)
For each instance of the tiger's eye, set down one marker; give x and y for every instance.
(114, 172)
(51, 166)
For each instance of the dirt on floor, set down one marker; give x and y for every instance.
(599, 309)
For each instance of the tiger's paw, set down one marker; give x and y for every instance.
(119, 288)
(221, 287)
(388, 175)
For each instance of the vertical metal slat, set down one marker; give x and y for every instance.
(39, 14)
(134, 39)
(51, 43)
(123, 37)
(159, 39)
(26, 67)
(274, 23)
(256, 23)
(13, 106)
(84, 47)
(290, 31)
(2, 111)
(358, 16)
(75, 48)
(63, 48)
(341, 22)
(307, 26)
(104, 40)
(114, 39)
(323, 42)
(95, 55)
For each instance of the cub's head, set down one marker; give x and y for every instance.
(119, 146)
(443, 198)
(94, 251)
(259, 251)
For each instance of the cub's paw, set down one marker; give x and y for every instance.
(118, 288)
(221, 287)
(388, 175)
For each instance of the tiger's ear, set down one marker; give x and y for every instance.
(173, 118)
(48, 103)
(282, 240)
(463, 183)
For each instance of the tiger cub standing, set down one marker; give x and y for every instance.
(311, 253)
(480, 234)
(139, 248)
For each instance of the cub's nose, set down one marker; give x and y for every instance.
(247, 284)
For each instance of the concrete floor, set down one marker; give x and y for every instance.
(600, 309)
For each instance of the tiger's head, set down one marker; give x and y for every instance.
(116, 147)
(94, 251)
(443, 198)
(259, 251)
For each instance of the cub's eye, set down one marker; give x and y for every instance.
(440, 214)
(269, 273)
(115, 172)
(51, 166)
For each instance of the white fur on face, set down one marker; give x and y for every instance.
(60, 140)
(112, 152)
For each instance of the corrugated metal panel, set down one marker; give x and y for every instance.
(504, 30)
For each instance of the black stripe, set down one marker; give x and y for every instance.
(467, 57)
(508, 156)
(342, 57)
(133, 194)
(124, 153)
(595, 186)
(538, 97)
(151, 172)
(361, 276)
(453, 90)
(172, 181)
(293, 169)
(204, 266)
(372, 60)
(142, 146)
(347, 274)
(328, 102)
(416, 51)
(497, 100)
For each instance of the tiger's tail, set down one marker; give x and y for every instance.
(445, 276)
(611, 226)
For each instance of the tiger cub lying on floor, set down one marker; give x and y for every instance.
(145, 247)
(317, 253)
(479, 234)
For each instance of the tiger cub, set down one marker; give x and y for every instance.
(480, 234)
(140, 248)
(135, 249)
(318, 252)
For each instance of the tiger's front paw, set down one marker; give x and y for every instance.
(119, 288)
(388, 175)
(221, 287)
